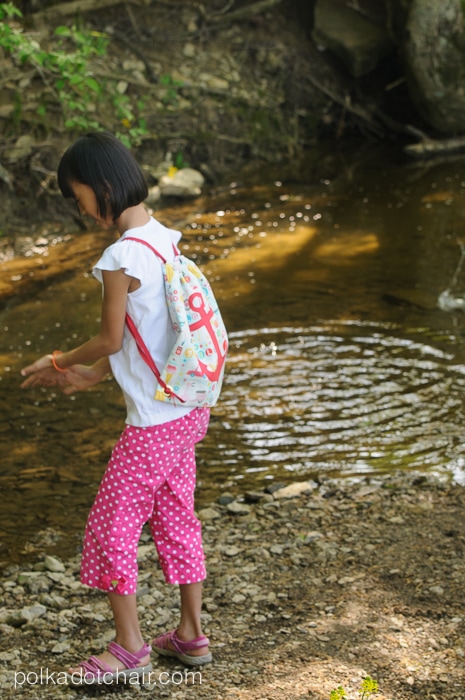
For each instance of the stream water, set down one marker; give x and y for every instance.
(345, 302)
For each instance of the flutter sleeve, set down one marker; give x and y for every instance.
(134, 258)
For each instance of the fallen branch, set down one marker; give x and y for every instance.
(345, 102)
(374, 118)
(244, 12)
(428, 148)
(78, 7)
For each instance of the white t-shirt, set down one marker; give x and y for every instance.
(149, 311)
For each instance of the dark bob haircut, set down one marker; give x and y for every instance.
(100, 161)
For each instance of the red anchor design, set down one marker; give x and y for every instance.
(197, 304)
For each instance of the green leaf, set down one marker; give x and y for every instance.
(62, 31)
(93, 84)
(9, 10)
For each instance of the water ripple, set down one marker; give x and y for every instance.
(341, 399)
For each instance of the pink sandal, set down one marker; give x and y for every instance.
(169, 644)
(95, 671)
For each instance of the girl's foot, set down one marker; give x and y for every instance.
(193, 652)
(114, 664)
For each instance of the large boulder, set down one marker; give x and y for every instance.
(354, 37)
(434, 51)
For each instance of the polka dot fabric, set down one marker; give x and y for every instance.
(150, 478)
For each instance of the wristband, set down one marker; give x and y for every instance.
(55, 354)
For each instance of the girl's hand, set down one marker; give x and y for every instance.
(81, 377)
(48, 376)
(75, 378)
(42, 373)
(42, 363)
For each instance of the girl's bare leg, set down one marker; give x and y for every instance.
(191, 604)
(128, 634)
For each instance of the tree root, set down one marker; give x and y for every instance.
(430, 148)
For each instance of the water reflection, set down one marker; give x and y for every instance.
(341, 398)
(342, 360)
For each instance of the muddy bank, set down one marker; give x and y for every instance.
(306, 591)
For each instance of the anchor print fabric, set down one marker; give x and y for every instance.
(195, 369)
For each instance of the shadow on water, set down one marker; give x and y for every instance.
(342, 361)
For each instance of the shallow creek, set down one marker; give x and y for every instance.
(344, 299)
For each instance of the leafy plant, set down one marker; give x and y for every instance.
(368, 687)
(179, 161)
(67, 75)
(171, 94)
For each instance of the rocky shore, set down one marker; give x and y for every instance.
(311, 587)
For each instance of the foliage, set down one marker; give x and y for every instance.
(171, 94)
(179, 161)
(85, 101)
(369, 686)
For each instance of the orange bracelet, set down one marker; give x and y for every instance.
(55, 354)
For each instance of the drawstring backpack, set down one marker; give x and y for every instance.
(193, 373)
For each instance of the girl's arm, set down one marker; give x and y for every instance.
(116, 285)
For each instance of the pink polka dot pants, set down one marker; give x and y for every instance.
(150, 478)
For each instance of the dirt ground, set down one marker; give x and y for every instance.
(304, 594)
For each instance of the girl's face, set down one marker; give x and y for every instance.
(87, 204)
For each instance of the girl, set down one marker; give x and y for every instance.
(151, 473)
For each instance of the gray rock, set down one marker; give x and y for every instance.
(154, 196)
(144, 550)
(53, 564)
(254, 496)
(184, 183)
(437, 590)
(207, 514)
(225, 498)
(293, 490)
(18, 618)
(238, 508)
(33, 612)
(271, 488)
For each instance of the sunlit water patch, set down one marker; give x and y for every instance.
(339, 399)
